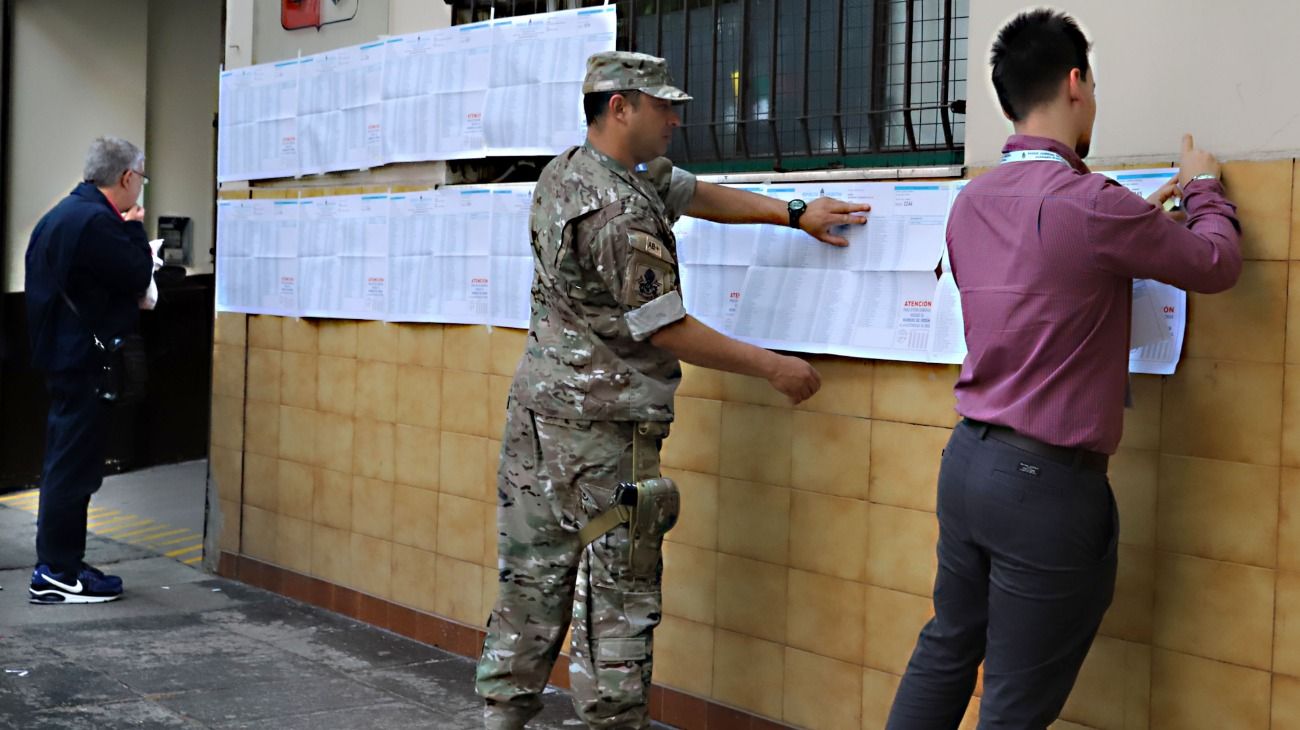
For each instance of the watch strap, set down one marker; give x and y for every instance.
(796, 213)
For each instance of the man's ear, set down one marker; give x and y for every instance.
(617, 105)
(624, 102)
(1075, 84)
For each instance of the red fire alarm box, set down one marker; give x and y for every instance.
(295, 14)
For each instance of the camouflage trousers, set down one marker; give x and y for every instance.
(555, 474)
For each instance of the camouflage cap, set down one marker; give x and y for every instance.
(623, 71)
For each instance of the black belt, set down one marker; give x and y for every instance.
(1078, 458)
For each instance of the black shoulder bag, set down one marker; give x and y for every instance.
(124, 370)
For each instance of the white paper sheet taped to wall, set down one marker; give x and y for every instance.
(503, 88)
(461, 254)
(340, 109)
(429, 256)
(1159, 310)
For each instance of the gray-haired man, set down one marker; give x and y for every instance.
(88, 263)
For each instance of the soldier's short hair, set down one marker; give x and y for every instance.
(595, 104)
(108, 158)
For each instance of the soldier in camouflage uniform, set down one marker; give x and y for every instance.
(593, 396)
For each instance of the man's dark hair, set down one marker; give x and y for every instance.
(595, 104)
(1032, 55)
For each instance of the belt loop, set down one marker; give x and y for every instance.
(984, 431)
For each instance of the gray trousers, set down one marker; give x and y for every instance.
(1027, 559)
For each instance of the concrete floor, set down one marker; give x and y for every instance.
(159, 509)
(184, 649)
(171, 494)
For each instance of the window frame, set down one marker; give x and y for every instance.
(932, 134)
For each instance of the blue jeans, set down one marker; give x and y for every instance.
(1027, 559)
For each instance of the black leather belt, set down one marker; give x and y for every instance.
(1078, 458)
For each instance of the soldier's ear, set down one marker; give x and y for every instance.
(619, 104)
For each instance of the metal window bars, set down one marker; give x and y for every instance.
(798, 84)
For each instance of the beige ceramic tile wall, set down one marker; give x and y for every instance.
(365, 453)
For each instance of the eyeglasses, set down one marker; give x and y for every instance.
(141, 174)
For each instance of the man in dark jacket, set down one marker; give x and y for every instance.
(88, 263)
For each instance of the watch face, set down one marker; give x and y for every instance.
(797, 205)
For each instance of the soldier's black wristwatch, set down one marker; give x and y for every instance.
(797, 208)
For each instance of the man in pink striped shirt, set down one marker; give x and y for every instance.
(1044, 254)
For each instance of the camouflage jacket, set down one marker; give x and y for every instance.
(605, 279)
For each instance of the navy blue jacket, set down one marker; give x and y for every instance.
(104, 264)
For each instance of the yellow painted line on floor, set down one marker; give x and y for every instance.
(122, 523)
(150, 530)
(97, 525)
(154, 537)
(124, 526)
(190, 536)
(155, 527)
(111, 529)
(105, 520)
(28, 505)
(23, 503)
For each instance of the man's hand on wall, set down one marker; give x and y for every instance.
(1195, 162)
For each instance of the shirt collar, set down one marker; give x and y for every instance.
(620, 170)
(92, 193)
(1018, 142)
(605, 159)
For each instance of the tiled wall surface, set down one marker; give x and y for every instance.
(364, 454)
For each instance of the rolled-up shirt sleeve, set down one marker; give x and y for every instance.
(680, 191)
(653, 316)
(675, 186)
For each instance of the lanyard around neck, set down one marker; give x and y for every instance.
(1034, 156)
